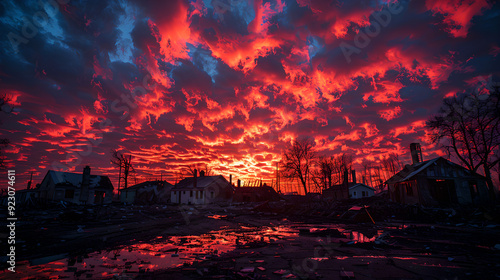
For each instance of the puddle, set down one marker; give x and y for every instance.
(217, 217)
(165, 252)
(339, 232)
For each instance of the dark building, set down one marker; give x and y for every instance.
(255, 194)
(348, 189)
(76, 188)
(149, 192)
(202, 190)
(436, 182)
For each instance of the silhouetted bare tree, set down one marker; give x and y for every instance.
(124, 162)
(4, 143)
(298, 159)
(324, 172)
(4, 107)
(206, 168)
(467, 126)
(391, 164)
(341, 164)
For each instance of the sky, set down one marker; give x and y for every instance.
(231, 82)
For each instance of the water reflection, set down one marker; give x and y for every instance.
(173, 251)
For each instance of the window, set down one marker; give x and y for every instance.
(190, 193)
(430, 171)
(363, 193)
(473, 189)
(69, 194)
(354, 194)
(211, 194)
(409, 189)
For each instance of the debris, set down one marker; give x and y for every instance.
(80, 229)
(248, 269)
(346, 274)
(358, 214)
(281, 272)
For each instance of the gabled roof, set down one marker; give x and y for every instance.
(148, 184)
(75, 179)
(410, 171)
(202, 182)
(360, 185)
(349, 185)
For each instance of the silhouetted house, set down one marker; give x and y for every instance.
(359, 190)
(436, 182)
(149, 192)
(23, 197)
(348, 189)
(255, 194)
(202, 190)
(27, 195)
(76, 188)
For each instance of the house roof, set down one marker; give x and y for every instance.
(360, 185)
(410, 171)
(75, 179)
(349, 185)
(202, 182)
(262, 190)
(148, 184)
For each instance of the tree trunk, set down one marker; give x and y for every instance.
(304, 185)
(125, 176)
(489, 182)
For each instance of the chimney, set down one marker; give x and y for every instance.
(30, 181)
(84, 191)
(345, 186)
(239, 183)
(353, 176)
(231, 179)
(202, 173)
(416, 153)
(195, 178)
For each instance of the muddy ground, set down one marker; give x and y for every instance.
(248, 242)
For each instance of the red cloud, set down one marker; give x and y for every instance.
(390, 114)
(458, 14)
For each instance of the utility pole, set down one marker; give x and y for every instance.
(277, 177)
(119, 177)
(31, 180)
